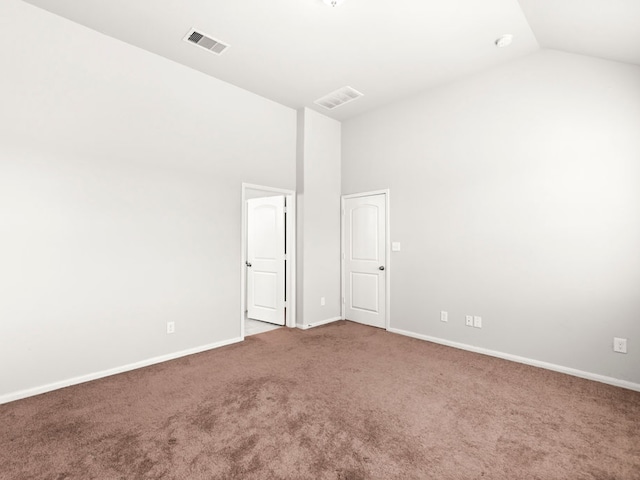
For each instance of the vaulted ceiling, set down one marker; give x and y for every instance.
(296, 51)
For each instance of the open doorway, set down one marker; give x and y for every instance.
(268, 258)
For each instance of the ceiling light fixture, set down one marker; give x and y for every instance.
(504, 40)
(333, 3)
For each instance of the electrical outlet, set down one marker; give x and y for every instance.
(323, 302)
(171, 327)
(619, 345)
(444, 316)
(477, 322)
(468, 320)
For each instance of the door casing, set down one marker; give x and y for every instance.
(290, 270)
(387, 249)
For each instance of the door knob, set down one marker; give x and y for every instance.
(248, 264)
(381, 268)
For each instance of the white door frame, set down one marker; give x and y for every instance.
(387, 249)
(290, 271)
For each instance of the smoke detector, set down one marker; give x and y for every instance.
(333, 3)
(504, 40)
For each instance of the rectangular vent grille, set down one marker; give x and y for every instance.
(205, 41)
(338, 98)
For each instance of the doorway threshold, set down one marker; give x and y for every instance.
(253, 327)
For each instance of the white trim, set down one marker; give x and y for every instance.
(387, 204)
(524, 360)
(387, 209)
(367, 194)
(317, 324)
(290, 320)
(30, 392)
(251, 186)
(291, 260)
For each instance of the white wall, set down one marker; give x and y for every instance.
(516, 196)
(318, 189)
(120, 200)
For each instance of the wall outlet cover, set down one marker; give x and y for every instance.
(477, 322)
(468, 320)
(444, 316)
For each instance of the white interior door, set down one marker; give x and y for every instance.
(266, 259)
(364, 227)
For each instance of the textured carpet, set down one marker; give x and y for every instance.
(343, 401)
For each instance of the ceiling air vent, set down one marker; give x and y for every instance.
(205, 41)
(338, 98)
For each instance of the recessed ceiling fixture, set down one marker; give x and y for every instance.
(338, 98)
(205, 41)
(333, 3)
(504, 40)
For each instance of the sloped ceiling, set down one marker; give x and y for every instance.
(607, 29)
(295, 51)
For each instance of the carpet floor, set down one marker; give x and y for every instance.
(343, 401)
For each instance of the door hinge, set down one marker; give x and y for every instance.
(285, 209)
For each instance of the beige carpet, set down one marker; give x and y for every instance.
(343, 401)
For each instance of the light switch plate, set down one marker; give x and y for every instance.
(619, 345)
(395, 246)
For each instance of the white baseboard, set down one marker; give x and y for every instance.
(30, 392)
(317, 324)
(527, 361)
